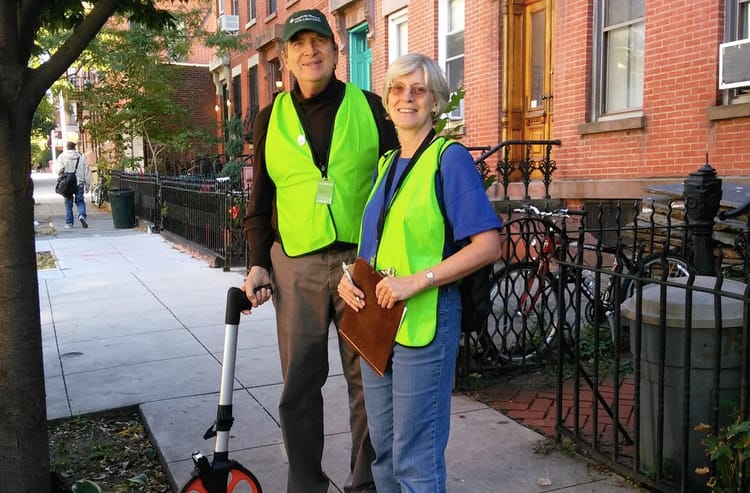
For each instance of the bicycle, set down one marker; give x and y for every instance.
(99, 192)
(525, 294)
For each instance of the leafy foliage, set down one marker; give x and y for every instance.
(444, 125)
(133, 94)
(234, 140)
(729, 450)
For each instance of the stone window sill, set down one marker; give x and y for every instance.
(725, 111)
(631, 123)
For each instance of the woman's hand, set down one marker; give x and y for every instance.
(350, 293)
(392, 289)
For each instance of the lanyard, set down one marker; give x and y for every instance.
(391, 174)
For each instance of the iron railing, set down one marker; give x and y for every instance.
(203, 211)
(517, 163)
(633, 379)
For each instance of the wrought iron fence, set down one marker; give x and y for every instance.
(520, 160)
(645, 349)
(203, 211)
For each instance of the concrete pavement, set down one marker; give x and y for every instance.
(131, 320)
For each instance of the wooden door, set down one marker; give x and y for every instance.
(537, 78)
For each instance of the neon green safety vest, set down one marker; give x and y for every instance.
(413, 239)
(305, 225)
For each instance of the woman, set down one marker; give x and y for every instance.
(427, 199)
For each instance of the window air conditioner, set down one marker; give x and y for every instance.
(229, 23)
(734, 64)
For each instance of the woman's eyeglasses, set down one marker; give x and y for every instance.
(399, 90)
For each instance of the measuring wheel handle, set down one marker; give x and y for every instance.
(223, 475)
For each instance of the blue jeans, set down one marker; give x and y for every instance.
(80, 205)
(408, 409)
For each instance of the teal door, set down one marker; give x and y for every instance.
(360, 57)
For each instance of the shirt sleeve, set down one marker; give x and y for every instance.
(467, 207)
(83, 167)
(258, 225)
(59, 164)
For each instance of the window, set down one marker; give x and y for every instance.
(271, 7)
(237, 95)
(254, 103)
(398, 35)
(250, 10)
(274, 76)
(452, 47)
(736, 28)
(235, 7)
(737, 20)
(619, 61)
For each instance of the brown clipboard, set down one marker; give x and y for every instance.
(372, 330)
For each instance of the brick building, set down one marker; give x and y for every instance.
(629, 87)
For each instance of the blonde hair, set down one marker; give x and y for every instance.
(433, 77)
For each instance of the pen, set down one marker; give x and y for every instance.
(349, 277)
(346, 271)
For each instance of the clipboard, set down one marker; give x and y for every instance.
(372, 330)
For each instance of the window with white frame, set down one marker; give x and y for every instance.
(736, 29)
(250, 10)
(271, 7)
(743, 24)
(398, 34)
(235, 7)
(452, 46)
(618, 66)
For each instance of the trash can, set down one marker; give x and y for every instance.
(702, 354)
(122, 203)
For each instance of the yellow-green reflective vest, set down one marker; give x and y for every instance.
(413, 239)
(304, 224)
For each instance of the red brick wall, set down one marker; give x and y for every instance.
(681, 64)
(483, 64)
(196, 94)
(680, 85)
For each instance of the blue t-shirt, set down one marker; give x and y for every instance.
(466, 205)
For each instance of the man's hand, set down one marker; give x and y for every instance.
(257, 286)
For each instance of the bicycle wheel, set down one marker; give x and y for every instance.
(524, 311)
(239, 480)
(653, 268)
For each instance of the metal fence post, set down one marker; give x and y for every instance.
(702, 197)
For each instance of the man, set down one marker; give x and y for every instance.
(70, 161)
(316, 149)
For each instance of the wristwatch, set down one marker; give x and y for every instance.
(430, 278)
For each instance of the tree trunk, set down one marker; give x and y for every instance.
(24, 455)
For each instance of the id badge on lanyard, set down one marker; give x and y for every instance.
(324, 193)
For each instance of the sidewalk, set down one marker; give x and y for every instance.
(130, 320)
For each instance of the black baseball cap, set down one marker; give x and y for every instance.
(307, 20)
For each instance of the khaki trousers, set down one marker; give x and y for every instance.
(307, 301)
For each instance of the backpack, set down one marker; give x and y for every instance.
(476, 304)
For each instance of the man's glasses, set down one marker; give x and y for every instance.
(399, 90)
